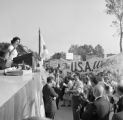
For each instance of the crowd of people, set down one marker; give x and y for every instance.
(91, 96)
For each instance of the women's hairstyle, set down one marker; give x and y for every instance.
(94, 80)
(49, 79)
(15, 39)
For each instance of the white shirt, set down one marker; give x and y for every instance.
(78, 86)
(97, 97)
(70, 84)
(12, 51)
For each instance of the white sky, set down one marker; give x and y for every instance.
(62, 23)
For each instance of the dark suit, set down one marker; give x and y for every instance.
(58, 91)
(98, 110)
(90, 95)
(49, 102)
(120, 105)
(103, 108)
(118, 116)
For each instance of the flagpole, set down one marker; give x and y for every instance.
(39, 52)
(40, 48)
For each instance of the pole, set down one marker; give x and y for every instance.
(39, 44)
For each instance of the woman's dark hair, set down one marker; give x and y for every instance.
(94, 80)
(15, 39)
(49, 79)
(120, 88)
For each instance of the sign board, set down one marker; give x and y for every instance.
(69, 56)
(92, 65)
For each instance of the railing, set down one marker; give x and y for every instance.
(21, 96)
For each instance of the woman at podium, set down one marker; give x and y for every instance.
(12, 51)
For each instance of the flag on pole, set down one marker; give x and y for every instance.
(43, 51)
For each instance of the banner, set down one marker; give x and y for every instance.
(93, 65)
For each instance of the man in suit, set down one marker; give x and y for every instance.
(119, 115)
(100, 108)
(49, 97)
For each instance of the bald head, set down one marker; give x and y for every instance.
(98, 91)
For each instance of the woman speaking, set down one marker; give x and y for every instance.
(11, 51)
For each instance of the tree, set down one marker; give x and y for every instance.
(87, 50)
(4, 46)
(115, 7)
(58, 55)
(23, 49)
(73, 49)
(99, 51)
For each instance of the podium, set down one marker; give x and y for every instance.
(26, 58)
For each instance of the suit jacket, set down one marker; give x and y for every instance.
(98, 110)
(48, 97)
(120, 105)
(103, 108)
(89, 113)
(90, 96)
(118, 116)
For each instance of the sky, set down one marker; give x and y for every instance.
(62, 24)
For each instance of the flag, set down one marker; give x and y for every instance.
(43, 51)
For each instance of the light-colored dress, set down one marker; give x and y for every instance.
(12, 52)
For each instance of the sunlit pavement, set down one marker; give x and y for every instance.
(64, 113)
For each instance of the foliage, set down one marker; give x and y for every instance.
(3, 46)
(115, 7)
(85, 50)
(58, 55)
(23, 49)
(99, 51)
(73, 49)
